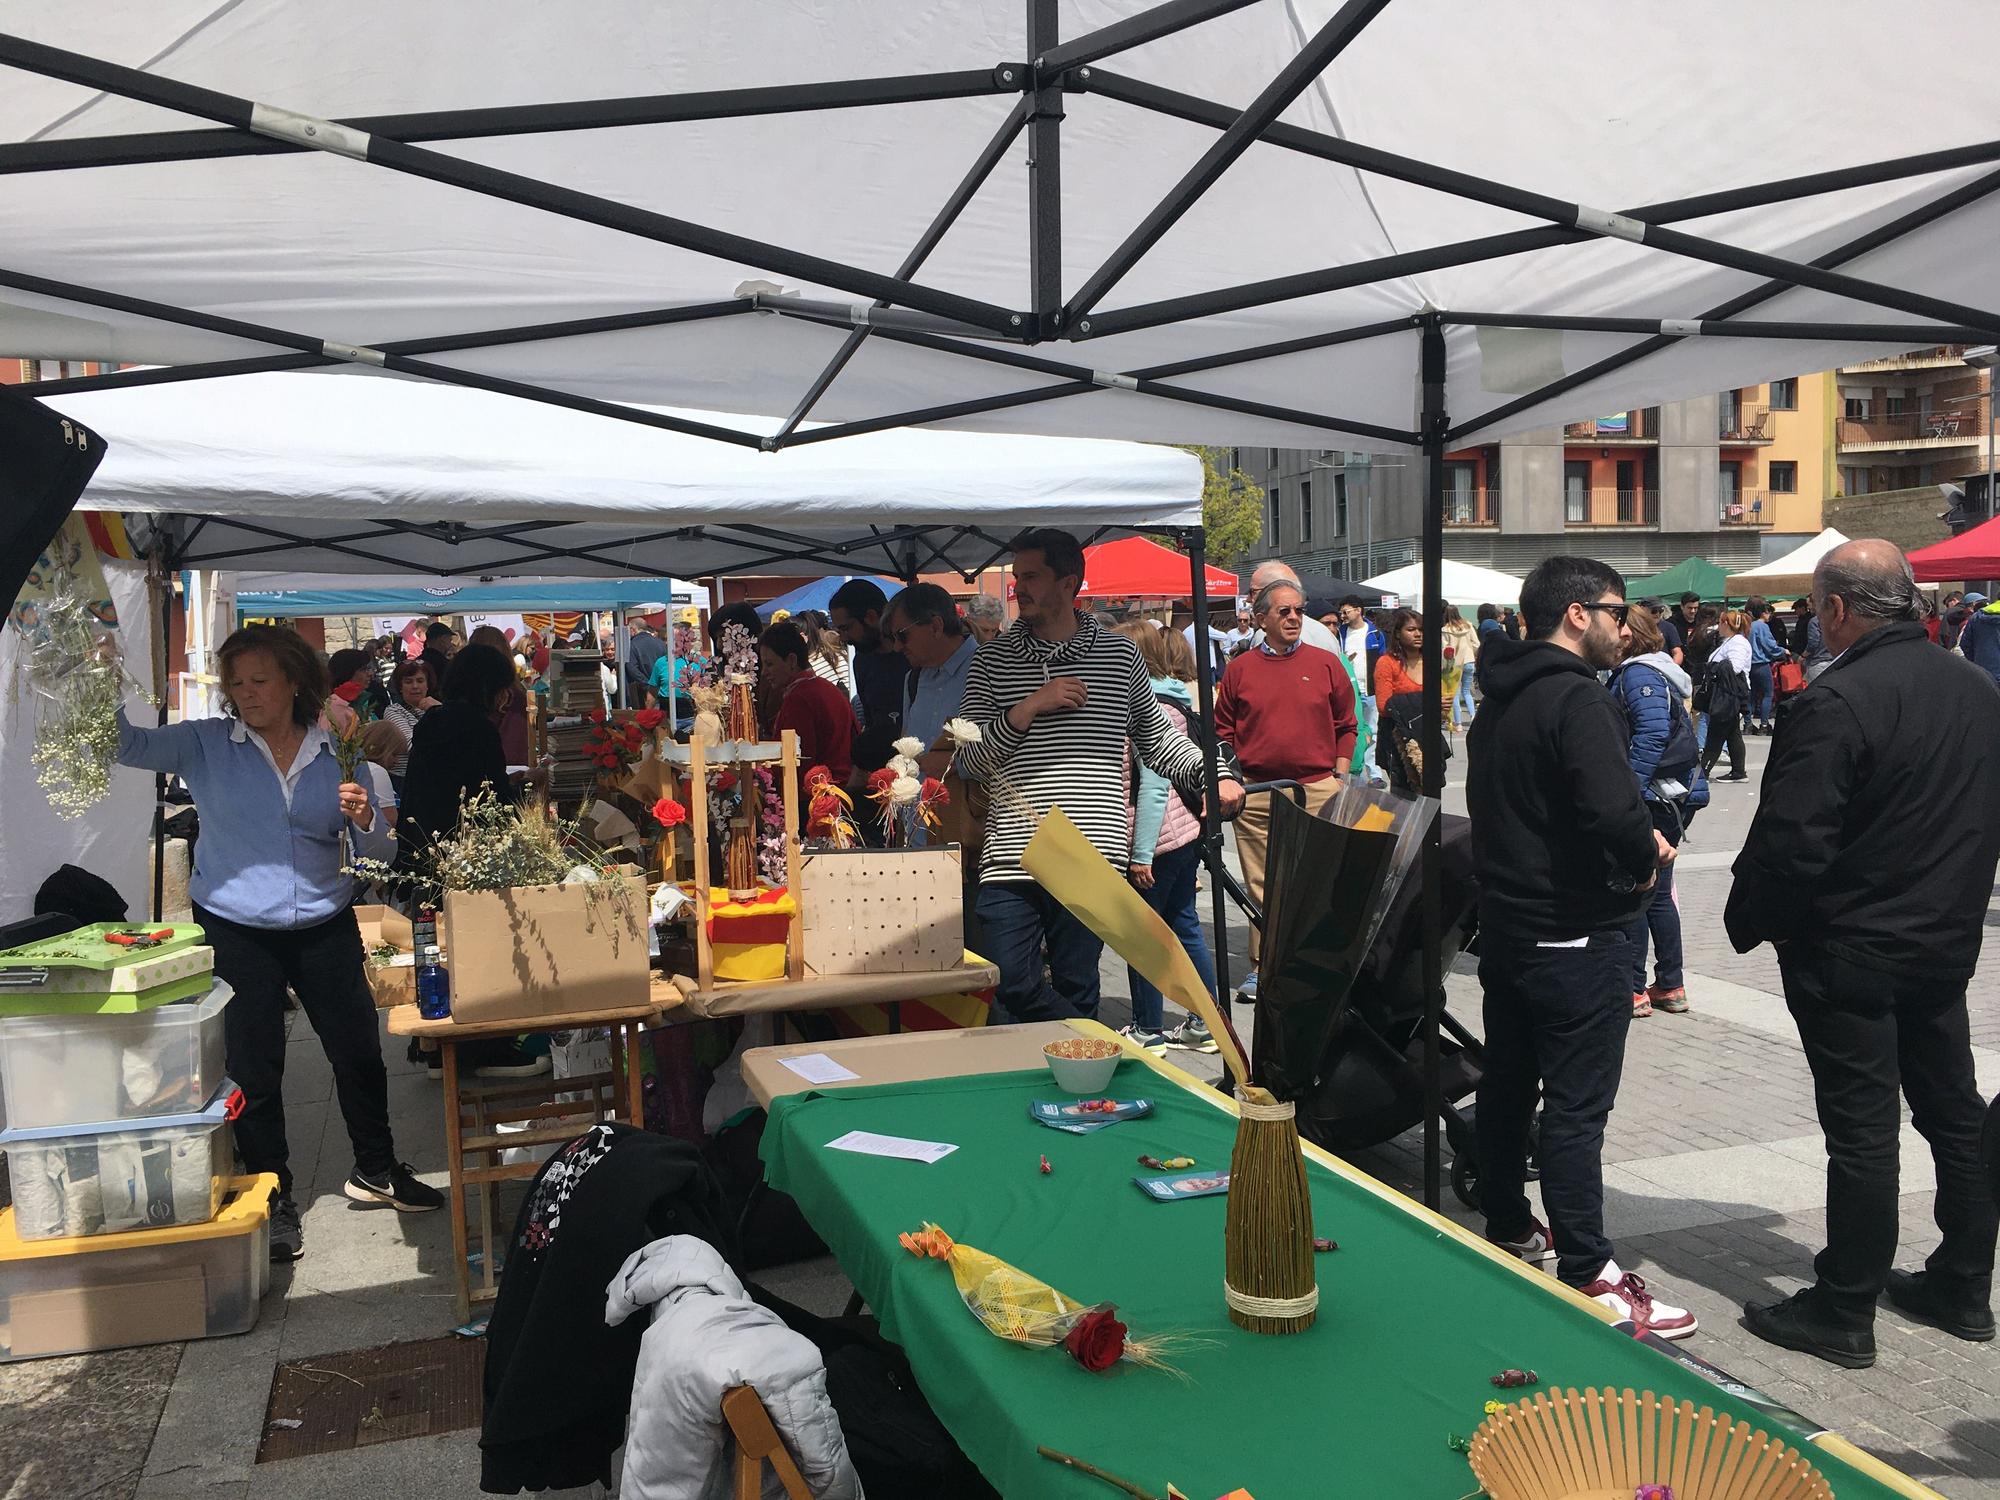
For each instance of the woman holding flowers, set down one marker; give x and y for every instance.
(272, 893)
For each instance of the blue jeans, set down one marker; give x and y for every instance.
(1172, 896)
(1461, 706)
(1018, 920)
(1760, 692)
(1659, 918)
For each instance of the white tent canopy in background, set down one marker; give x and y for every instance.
(1465, 585)
(1790, 575)
(429, 229)
(289, 468)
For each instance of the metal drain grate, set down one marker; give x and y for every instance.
(362, 1396)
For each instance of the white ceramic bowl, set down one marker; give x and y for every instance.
(1089, 1070)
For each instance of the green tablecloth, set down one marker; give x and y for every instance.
(1411, 1324)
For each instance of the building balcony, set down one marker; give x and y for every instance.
(1641, 426)
(1748, 427)
(1910, 430)
(1473, 507)
(1749, 508)
(1616, 508)
(1941, 357)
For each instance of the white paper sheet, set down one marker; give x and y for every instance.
(817, 1067)
(868, 1143)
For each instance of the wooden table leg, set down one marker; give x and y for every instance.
(455, 1162)
(634, 1076)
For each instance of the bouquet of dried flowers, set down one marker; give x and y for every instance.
(827, 809)
(497, 846)
(71, 663)
(612, 746)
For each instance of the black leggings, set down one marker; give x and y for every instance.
(1724, 729)
(323, 966)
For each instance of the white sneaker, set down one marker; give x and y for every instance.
(1626, 1295)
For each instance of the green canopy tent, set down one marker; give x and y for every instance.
(1690, 575)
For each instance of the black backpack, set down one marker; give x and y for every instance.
(1677, 761)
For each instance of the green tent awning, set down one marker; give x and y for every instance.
(1690, 575)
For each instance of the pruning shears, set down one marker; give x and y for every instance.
(131, 938)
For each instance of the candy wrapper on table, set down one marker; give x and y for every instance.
(1016, 1306)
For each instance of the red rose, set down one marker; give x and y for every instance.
(725, 781)
(879, 781)
(650, 718)
(594, 716)
(935, 793)
(669, 813)
(1097, 1339)
(816, 778)
(633, 735)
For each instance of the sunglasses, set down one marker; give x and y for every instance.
(1286, 611)
(1616, 611)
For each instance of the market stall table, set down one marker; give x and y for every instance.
(1415, 1314)
(474, 1110)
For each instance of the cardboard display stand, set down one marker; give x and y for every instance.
(544, 950)
(882, 911)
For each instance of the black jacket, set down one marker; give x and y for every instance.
(1560, 837)
(558, 1382)
(455, 751)
(1879, 824)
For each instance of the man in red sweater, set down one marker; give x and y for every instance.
(819, 711)
(1287, 711)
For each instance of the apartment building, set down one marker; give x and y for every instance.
(25, 371)
(1919, 419)
(1733, 477)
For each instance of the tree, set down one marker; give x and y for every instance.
(1232, 506)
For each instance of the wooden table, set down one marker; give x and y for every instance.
(833, 991)
(908, 1057)
(473, 1109)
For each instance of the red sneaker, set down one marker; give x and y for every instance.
(1642, 1004)
(1534, 1246)
(1625, 1294)
(1674, 1001)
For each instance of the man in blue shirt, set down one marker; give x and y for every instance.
(923, 622)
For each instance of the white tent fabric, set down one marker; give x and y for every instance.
(283, 467)
(356, 252)
(1465, 585)
(1790, 574)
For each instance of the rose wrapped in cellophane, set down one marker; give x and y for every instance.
(1016, 1306)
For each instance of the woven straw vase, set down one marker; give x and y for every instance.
(1601, 1445)
(1269, 1282)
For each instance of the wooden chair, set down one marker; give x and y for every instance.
(758, 1443)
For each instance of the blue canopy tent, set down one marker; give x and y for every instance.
(335, 594)
(815, 595)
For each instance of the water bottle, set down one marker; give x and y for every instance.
(433, 986)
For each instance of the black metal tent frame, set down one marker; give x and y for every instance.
(903, 309)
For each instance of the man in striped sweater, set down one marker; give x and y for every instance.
(1056, 700)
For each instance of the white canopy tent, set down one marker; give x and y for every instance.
(1790, 575)
(1465, 585)
(1249, 221)
(327, 473)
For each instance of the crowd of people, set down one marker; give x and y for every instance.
(1593, 725)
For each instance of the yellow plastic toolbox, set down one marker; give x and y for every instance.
(145, 1286)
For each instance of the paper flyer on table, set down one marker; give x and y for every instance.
(817, 1067)
(868, 1143)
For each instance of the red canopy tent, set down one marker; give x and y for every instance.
(1135, 568)
(1970, 554)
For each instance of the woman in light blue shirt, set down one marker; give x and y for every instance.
(271, 892)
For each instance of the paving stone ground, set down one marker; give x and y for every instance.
(1715, 1192)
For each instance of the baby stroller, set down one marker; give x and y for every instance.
(1342, 1032)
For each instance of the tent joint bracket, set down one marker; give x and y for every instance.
(309, 131)
(1611, 225)
(354, 354)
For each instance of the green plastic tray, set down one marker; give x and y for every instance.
(85, 948)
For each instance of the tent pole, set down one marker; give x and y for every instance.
(1436, 423)
(163, 575)
(1045, 119)
(1211, 817)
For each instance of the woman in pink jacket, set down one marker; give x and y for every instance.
(1166, 845)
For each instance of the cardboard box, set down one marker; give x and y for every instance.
(546, 950)
(171, 1308)
(394, 983)
(883, 911)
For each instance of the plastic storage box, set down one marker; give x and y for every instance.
(82, 1070)
(152, 1286)
(74, 1181)
(84, 972)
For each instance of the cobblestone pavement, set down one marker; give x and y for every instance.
(1715, 1180)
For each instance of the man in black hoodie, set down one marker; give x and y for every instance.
(1565, 852)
